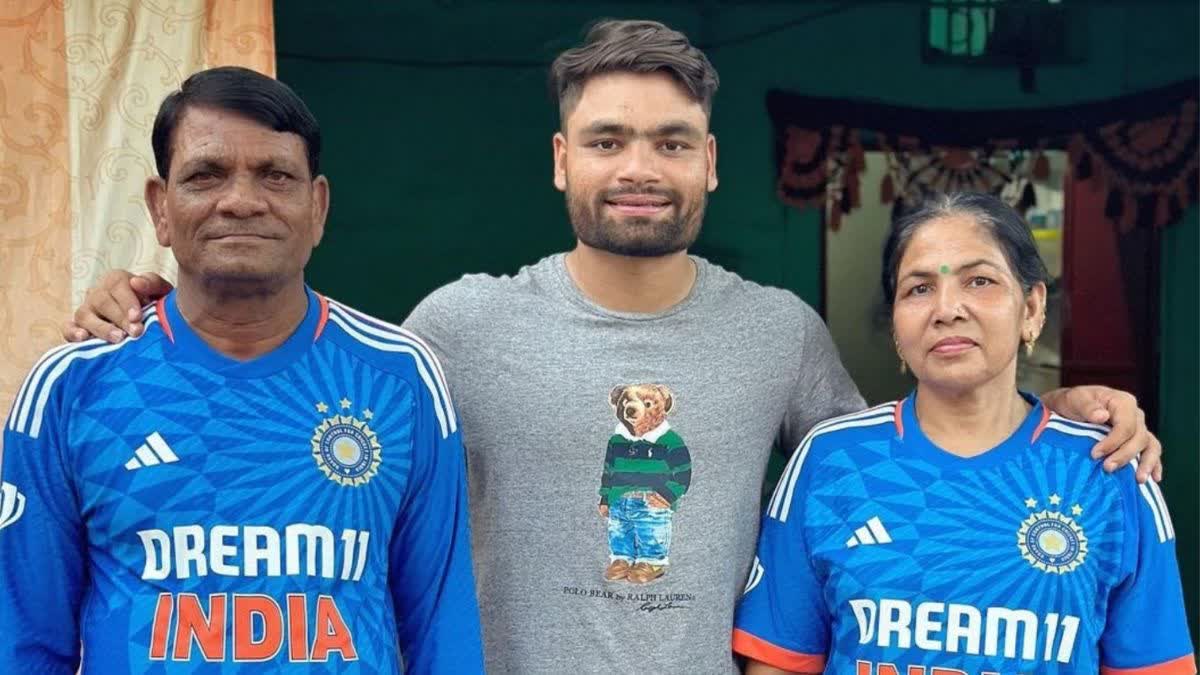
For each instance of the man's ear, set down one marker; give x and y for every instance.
(156, 203)
(559, 144)
(320, 208)
(711, 150)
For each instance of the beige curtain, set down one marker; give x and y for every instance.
(80, 82)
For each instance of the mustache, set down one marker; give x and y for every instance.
(667, 193)
(216, 232)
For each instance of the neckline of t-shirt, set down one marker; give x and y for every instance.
(562, 278)
(189, 346)
(1022, 438)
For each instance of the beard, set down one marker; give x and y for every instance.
(636, 236)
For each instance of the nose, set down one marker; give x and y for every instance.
(242, 198)
(640, 164)
(949, 306)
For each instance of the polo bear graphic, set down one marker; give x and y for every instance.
(647, 469)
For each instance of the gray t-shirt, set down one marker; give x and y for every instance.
(566, 406)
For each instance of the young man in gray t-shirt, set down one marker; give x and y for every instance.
(582, 382)
(532, 363)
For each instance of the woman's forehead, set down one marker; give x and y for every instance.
(954, 237)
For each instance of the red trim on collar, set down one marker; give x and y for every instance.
(324, 316)
(161, 307)
(1041, 425)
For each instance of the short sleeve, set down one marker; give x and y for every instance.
(1146, 630)
(782, 619)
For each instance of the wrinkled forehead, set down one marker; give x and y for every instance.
(221, 136)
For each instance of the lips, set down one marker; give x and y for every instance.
(239, 236)
(638, 204)
(639, 200)
(953, 345)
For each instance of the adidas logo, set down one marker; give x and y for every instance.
(872, 533)
(12, 505)
(154, 451)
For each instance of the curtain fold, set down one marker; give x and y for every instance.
(79, 88)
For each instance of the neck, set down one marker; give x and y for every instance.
(969, 423)
(624, 283)
(238, 322)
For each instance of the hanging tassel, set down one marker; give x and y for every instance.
(1163, 215)
(1028, 198)
(1114, 205)
(1147, 210)
(858, 158)
(1041, 167)
(887, 190)
(1129, 213)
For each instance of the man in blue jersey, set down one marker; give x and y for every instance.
(263, 475)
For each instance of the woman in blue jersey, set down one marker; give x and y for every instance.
(964, 529)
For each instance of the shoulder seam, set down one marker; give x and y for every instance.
(1094, 433)
(386, 337)
(30, 403)
(1055, 417)
(781, 499)
(1150, 492)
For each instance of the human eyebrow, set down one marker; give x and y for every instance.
(678, 129)
(608, 128)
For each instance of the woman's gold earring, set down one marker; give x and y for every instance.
(1029, 346)
(903, 365)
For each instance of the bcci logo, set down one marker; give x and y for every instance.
(345, 448)
(1050, 541)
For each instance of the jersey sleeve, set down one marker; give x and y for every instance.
(782, 619)
(43, 567)
(823, 389)
(430, 576)
(1147, 630)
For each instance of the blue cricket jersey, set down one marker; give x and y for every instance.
(882, 554)
(169, 509)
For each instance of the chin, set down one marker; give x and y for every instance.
(646, 249)
(245, 278)
(959, 377)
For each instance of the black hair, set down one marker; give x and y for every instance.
(632, 46)
(245, 92)
(1006, 226)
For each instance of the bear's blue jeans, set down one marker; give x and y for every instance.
(638, 532)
